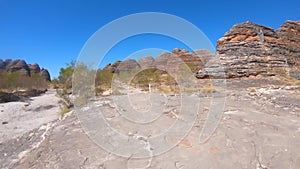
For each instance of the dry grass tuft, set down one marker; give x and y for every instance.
(208, 89)
(64, 110)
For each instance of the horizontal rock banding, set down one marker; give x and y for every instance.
(251, 49)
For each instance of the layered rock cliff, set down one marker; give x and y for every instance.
(247, 49)
(24, 69)
(251, 49)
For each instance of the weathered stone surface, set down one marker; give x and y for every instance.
(162, 60)
(23, 68)
(251, 49)
(35, 68)
(147, 62)
(18, 66)
(179, 58)
(205, 55)
(290, 31)
(247, 49)
(128, 65)
(45, 74)
(173, 61)
(289, 34)
(192, 60)
(20, 95)
(112, 67)
(261, 131)
(8, 97)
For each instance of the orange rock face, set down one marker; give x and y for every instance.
(250, 49)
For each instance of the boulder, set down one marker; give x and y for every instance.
(8, 97)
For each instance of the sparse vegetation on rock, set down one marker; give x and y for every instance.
(20, 80)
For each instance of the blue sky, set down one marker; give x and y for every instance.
(53, 32)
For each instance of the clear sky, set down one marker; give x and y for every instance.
(53, 32)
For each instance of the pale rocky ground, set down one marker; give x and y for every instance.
(22, 117)
(20, 121)
(259, 129)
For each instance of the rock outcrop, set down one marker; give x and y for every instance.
(147, 62)
(162, 61)
(193, 60)
(20, 95)
(128, 65)
(23, 68)
(247, 49)
(35, 68)
(205, 56)
(112, 67)
(17, 66)
(251, 49)
(45, 74)
(166, 62)
(289, 34)
(173, 61)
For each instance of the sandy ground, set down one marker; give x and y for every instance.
(17, 118)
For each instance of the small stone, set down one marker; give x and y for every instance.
(130, 134)
(31, 134)
(226, 118)
(107, 93)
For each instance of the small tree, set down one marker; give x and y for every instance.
(65, 75)
(104, 78)
(11, 79)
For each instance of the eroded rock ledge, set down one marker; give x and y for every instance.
(251, 49)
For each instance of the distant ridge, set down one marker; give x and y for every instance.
(24, 69)
(166, 61)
